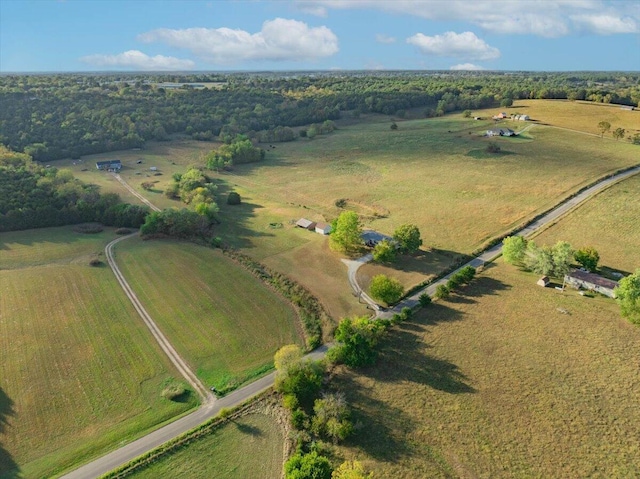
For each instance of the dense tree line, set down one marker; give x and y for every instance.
(37, 197)
(69, 115)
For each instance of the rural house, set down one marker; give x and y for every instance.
(500, 116)
(592, 282)
(109, 165)
(323, 228)
(306, 224)
(500, 132)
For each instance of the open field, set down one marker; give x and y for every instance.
(610, 222)
(500, 383)
(250, 446)
(79, 372)
(576, 115)
(223, 321)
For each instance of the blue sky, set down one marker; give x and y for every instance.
(219, 35)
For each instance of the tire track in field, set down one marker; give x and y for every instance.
(162, 340)
(135, 193)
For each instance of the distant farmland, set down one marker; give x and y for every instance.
(225, 322)
(76, 362)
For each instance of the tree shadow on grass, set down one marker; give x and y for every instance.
(248, 429)
(8, 467)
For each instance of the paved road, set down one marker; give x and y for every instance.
(145, 444)
(495, 251)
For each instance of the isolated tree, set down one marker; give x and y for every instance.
(385, 289)
(539, 259)
(618, 133)
(587, 257)
(604, 126)
(442, 291)
(384, 252)
(358, 338)
(562, 254)
(346, 235)
(234, 198)
(408, 238)
(394, 126)
(628, 296)
(506, 102)
(351, 470)
(514, 249)
(307, 466)
(466, 114)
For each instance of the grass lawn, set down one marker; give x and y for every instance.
(610, 222)
(250, 446)
(226, 323)
(500, 383)
(79, 372)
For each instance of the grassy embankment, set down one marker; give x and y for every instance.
(225, 322)
(506, 380)
(79, 372)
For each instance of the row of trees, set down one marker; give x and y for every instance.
(62, 115)
(604, 126)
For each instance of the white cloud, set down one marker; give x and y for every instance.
(465, 45)
(382, 38)
(605, 24)
(279, 40)
(136, 60)
(548, 18)
(467, 67)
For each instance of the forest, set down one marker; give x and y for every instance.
(54, 116)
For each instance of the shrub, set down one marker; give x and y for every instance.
(233, 198)
(425, 300)
(147, 185)
(385, 289)
(588, 257)
(173, 392)
(493, 147)
(442, 292)
(307, 466)
(341, 203)
(299, 419)
(88, 228)
(123, 231)
(95, 262)
(384, 252)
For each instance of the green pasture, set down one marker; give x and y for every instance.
(610, 222)
(226, 323)
(505, 380)
(250, 446)
(79, 372)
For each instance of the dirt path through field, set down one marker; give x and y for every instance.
(135, 193)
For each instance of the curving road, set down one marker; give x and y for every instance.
(211, 407)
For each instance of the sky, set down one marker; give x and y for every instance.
(231, 35)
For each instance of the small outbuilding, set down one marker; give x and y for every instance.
(500, 132)
(323, 228)
(306, 224)
(544, 281)
(153, 168)
(579, 279)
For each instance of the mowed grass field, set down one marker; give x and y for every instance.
(250, 446)
(225, 322)
(610, 222)
(576, 115)
(500, 383)
(79, 372)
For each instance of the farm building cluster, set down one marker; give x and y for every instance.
(513, 116)
(500, 132)
(318, 227)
